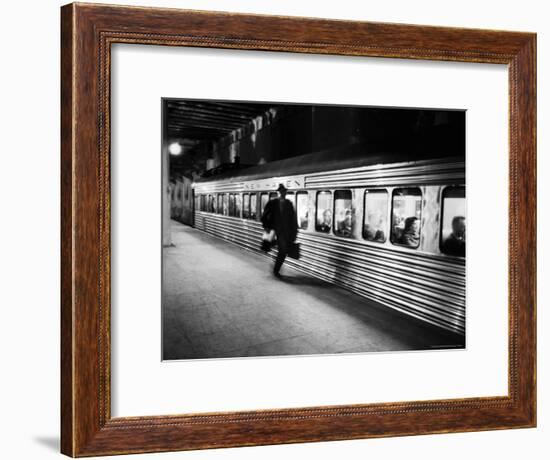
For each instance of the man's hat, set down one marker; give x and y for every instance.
(281, 188)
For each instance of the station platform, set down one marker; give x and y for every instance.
(222, 301)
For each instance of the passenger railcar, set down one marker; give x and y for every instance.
(378, 227)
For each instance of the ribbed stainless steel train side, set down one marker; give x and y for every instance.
(422, 282)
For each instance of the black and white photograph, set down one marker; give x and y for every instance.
(311, 229)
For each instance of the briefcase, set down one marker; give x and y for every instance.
(294, 251)
(265, 246)
(268, 239)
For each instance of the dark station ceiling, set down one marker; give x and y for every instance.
(200, 121)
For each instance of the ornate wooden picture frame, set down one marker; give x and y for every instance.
(88, 31)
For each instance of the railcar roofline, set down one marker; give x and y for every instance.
(323, 161)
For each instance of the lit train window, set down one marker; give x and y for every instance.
(264, 198)
(302, 210)
(253, 205)
(343, 213)
(238, 204)
(246, 206)
(323, 213)
(203, 203)
(232, 204)
(406, 217)
(210, 204)
(453, 222)
(219, 207)
(375, 224)
(225, 204)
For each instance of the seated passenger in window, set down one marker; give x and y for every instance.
(344, 227)
(303, 219)
(411, 235)
(455, 244)
(374, 232)
(325, 224)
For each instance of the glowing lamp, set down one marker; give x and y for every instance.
(175, 148)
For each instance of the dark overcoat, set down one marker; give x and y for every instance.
(282, 219)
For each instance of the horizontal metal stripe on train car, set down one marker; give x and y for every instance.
(427, 172)
(439, 302)
(406, 266)
(449, 264)
(445, 268)
(416, 280)
(385, 182)
(444, 263)
(387, 175)
(390, 170)
(438, 265)
(362, 271)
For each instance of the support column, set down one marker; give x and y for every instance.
(166, 230)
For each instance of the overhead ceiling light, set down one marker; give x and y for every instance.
(175, 148)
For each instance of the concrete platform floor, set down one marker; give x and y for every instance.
(222, 301)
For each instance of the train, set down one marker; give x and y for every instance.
(377, 225)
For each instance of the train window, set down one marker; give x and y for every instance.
(225, 204)
(323, 220)
(219, 207)
(238, 204)
(246, 205)
(209, 205)
(253, 205)
(375, 224)
(197, 203)
(202, 204)
(343, 213)
(264, 198)
(232, 204)
(406, 214)
(302, 210)
(453, 222)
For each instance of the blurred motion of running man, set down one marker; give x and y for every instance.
(279, 215)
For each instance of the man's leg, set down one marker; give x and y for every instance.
(281, 255)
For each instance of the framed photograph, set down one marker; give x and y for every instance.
(264, 230)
